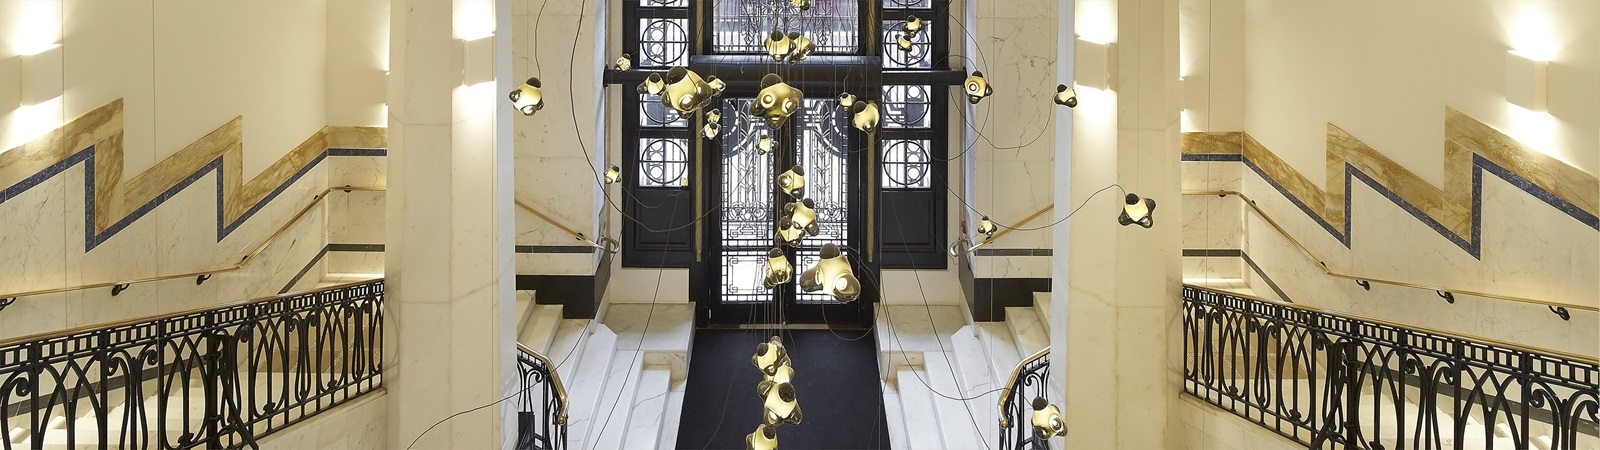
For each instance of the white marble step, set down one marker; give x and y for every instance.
(998, 342)
(1041, 307)
(1027, 331)
(586, 380)
(524, 310)
(960, 426)
(921, 417)
(972, 363)
(894, 417)
(543, 321)
(649, 408)
(672, 416)
(569, 333)
(612, 415)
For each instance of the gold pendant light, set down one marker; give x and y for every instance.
(714, 116)
(802, 4)
(685, 91)
(865, 116)
(528, 98)
(769, 356)
(1047, 421)
(801, 47)
(976, 87)
(776, 101)
(781, 405)
(779, 271)
(653, 85)
(986, 227)
(710, 130)
(765, 145)
(764, 438)
(793, 182)
(1137, 211)
(903, 42)
(717, 85)
(624, 63)
(1066, 96)
(832, 275)
(613, 174)
(778, 45)
(800, 220)
(913, 26)
(845, 100)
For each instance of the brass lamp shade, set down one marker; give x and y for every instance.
(800, 220)
(685, 91)
(1047, 421)
(913, 26)
(802, 4)
(653, 84)
(624, 63)
(717, 85)
(528, 98)
(832, 275)
(776, 101)
(976, 87)
(793, 182)
(710, 130)
(779, 271)
(714, 115)
(903, 42)
(764, 438)
(613, 174)
(1066, 96)
(986, 227)
(865, 117)
(781, 406)
(778, 45)
(765, 145)
(1137, 211)
(769, 356)
(784, 375)
(845, 100)
(800, 47)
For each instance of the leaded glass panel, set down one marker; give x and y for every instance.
(743, 272)
(663, 42)
(907, 106)
(920, 54)
(742, 26)
(663, 162)
(905, 164)
(747, 180)
(824, 151)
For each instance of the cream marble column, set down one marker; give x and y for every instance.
(449, 330)
(1121, 358)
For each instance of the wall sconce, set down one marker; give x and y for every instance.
(41, 76)
(1094, 64)
(1525, 81)
(478, 55)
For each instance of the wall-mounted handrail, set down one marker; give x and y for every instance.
(1315, 261)
(607, 244)
(202, 276)
(954, 251)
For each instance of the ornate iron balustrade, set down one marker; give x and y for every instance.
(1027, 383)
(541, 403)
(221, 377)
(1326, 379)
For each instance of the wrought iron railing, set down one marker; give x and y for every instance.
(1027, 383)
(221, 377)
(541, 403)
(1331, 380)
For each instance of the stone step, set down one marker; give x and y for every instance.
(648, 408)
(895, 418)
(921, 417)
(1027, 330)
(672, 416)
(586, 380)
(541, 327)
(999, 344)
(1041, 307)
(972, 363)
(612, 415)
(960, 426)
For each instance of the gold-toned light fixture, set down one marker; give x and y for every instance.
(765, 145)
(714, 116)
(802, 4)
(913, 26)
(799, 221)
(779, 271)
(1047, 421)
(685, 91)
(710, 130)
(1137, 211)
(845, 100)
(769, 356)
(764, 438)
(776, 101)
(976, 87)
(903, 42)
(623, 63)
(987, 228)
(528, 98)
(800, 47)
(717, 85)
(613, 174)
(793, 182)
(781, 405)
(832, 275)
(865, 116)
(653, 84)
(778, 46)
(1066, 96)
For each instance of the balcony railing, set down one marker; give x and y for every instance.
(541, 403)
(221, 377)
(1027, 383)
(1331, 380)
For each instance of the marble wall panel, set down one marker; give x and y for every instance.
(556, 263)
(1212, 222)
(356, 425)
(356, 217)
(354, 262)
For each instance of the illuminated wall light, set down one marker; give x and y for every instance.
(478, 63)
(29, 122)
(1526, 81)
(472, 19)
(41, 76)
(38, 27)
(1094, 64)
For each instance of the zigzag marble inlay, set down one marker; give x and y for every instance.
(111, 203)
(1471, 147)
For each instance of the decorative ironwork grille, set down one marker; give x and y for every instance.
(919, 56)
(748, 209)
(541, 404)
(1330, 380)
(1016, 409)
(824, 151)
(219, 378)
(742, 26)
(663, 162)
(905, 164)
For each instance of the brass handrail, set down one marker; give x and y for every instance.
(1591, 359)
(607, 244)
(561, 390)
(1011, 383)
(997, 236)
(202, 276)
(1315, 261)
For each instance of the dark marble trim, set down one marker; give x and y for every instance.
(1237, 253)
(1213, 157)
(1013, 252)
(556, 249)
(358, 152)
